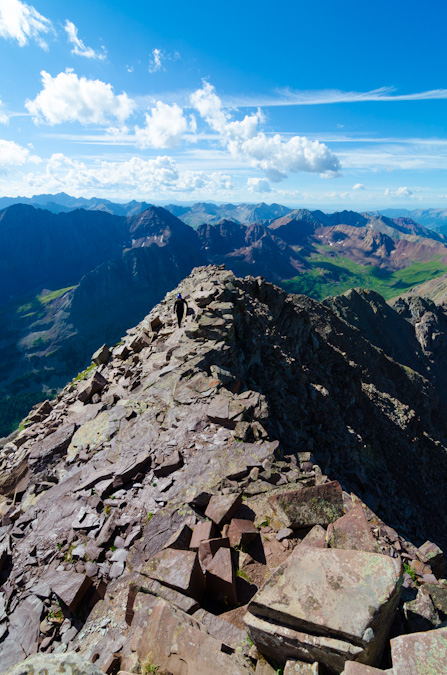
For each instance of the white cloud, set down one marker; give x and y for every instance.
(287, 97)
(399, 192)
(4, 119)
(79, 47)
(152, 176)
(358, 186)
(275, 155)
(165, 127)
(12, 154)
(67, 98)
(258, 185)
(209, 106)
(22, 22)
(156, 60)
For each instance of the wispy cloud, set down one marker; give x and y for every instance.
(79, 47)
(289, 97)
(23, 22)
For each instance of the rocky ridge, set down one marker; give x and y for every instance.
(264, 468)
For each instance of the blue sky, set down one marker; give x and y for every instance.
(324, 105)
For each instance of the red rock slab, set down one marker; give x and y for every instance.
(420, 653)
(221, 578)
(318, 505)
(354, 668)
(179, 570)
(316, 537)
(221, 508)
(432, 554)
(202, 532)
(241, 532)
(70, 587)
(176, 643)
(352, 532)
(207, 549)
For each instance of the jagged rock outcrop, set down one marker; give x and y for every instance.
(143, 510)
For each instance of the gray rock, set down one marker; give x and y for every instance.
(53, 664)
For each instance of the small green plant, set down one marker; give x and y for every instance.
(250, 641)
(112, 547)
(83, 375)
(265, 523)
(411, 572)
(148, 667)
(243, 575)
(149, 517)
(59, 546)
(107, 509)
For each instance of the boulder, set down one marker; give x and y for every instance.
(241, 532)
(70, 587)
(434, 557)
(177, 569)
(352, 532)
(180, 539)
(221, 508)
(54, 664)
(420, 653)
(318, 505)
(301, 668)
(101, 356)
(209, 548)
(94, 386)
(354, 668)
(171, 464)
(326, 605)
(202, 532)
(221, 578)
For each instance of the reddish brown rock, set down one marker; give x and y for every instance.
(207, 549)
(180, 539)
(221, 508)
(174, 462)
(241, 532)
(70, 587)
(354, 668)
(352, 532)
(434, 557)
(316, 537)
(420, 653)
(202, 532)
(221, 578)
(94, 386)
(177, 643)
(318, 505)
(178, 569)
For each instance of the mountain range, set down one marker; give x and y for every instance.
(72, 279)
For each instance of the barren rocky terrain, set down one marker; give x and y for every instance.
(258, 491)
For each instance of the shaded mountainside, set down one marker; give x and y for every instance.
(71, 280)
(265, 468)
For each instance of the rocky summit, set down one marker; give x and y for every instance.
(258, 491)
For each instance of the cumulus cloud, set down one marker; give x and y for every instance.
(158, 175)
(22, 22)
(69, 98)
(399, 192)
(358, 186)
(258, 185)
(275, 155)
(165, 127)
(12, 154)
(79, 47)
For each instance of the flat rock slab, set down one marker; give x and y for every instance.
(352, 532)
(354, 668)
(241, 532)
(301, 668)
(70, 587)
(221, 508)
(319, 505)
(54, 664)
(202, 532)
(348, 596)
(178, 644)
(177, 569)
(420, 653)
